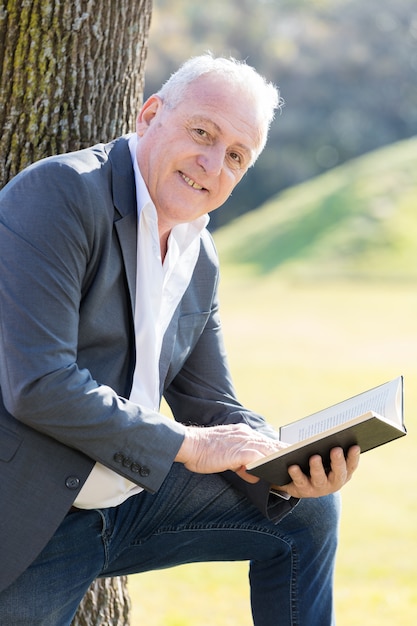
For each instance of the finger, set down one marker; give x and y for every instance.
(338, 474)
(320, 482)
(299, 480)
(318, 475)
(337, 461)
(317, 483)
(352, 460)
(242, 473)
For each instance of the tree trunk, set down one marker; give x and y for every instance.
(71, 75)
(106, 603)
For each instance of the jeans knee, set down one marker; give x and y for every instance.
(328, 511)
(318, 518)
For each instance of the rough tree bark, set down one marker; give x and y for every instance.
(71, 75)
(106, 603)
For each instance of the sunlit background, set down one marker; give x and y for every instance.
(319, 256)
(347, 70)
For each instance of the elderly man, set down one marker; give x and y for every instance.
(109, 302)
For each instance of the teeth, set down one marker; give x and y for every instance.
(190, 182)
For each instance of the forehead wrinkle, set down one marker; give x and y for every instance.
(204, 118)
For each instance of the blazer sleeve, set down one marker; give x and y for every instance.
(66, 322)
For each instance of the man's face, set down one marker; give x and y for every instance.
(191, 157)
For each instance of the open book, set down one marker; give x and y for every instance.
(369, 419)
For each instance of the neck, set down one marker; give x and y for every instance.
(163, 241)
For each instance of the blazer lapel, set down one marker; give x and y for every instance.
(124, 199)
(126, 229)
(167, 350)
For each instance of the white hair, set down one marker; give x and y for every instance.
(264, 94)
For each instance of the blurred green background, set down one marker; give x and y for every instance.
(318, 247)
(319, 303)
(347, 70)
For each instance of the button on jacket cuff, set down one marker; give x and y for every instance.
(134, 466)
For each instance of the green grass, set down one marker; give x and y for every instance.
(294, 352)
(356, 221)
(310, 346)
(306, 330)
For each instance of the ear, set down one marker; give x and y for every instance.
(149, 110)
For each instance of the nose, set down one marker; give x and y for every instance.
(211, 160)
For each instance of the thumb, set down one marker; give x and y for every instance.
(242, 473)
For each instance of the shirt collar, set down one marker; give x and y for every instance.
(142, 194)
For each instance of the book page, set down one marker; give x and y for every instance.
(385, 400)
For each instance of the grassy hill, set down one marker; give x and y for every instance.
(296, 346)
(357, 220)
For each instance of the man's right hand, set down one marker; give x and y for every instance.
(230, 447)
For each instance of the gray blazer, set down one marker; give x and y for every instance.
(67, 354)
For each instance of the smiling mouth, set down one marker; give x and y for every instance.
(191, 183)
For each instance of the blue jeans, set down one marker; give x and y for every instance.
(192, 518)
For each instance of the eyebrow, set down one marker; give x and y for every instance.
(206, 120)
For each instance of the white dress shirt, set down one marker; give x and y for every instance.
(159, 289)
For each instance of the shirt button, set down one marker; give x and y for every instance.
(72, 482)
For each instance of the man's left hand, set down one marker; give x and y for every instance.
(320, 483)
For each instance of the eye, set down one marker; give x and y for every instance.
(201, 132)
(236, 159)
(235, 156)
